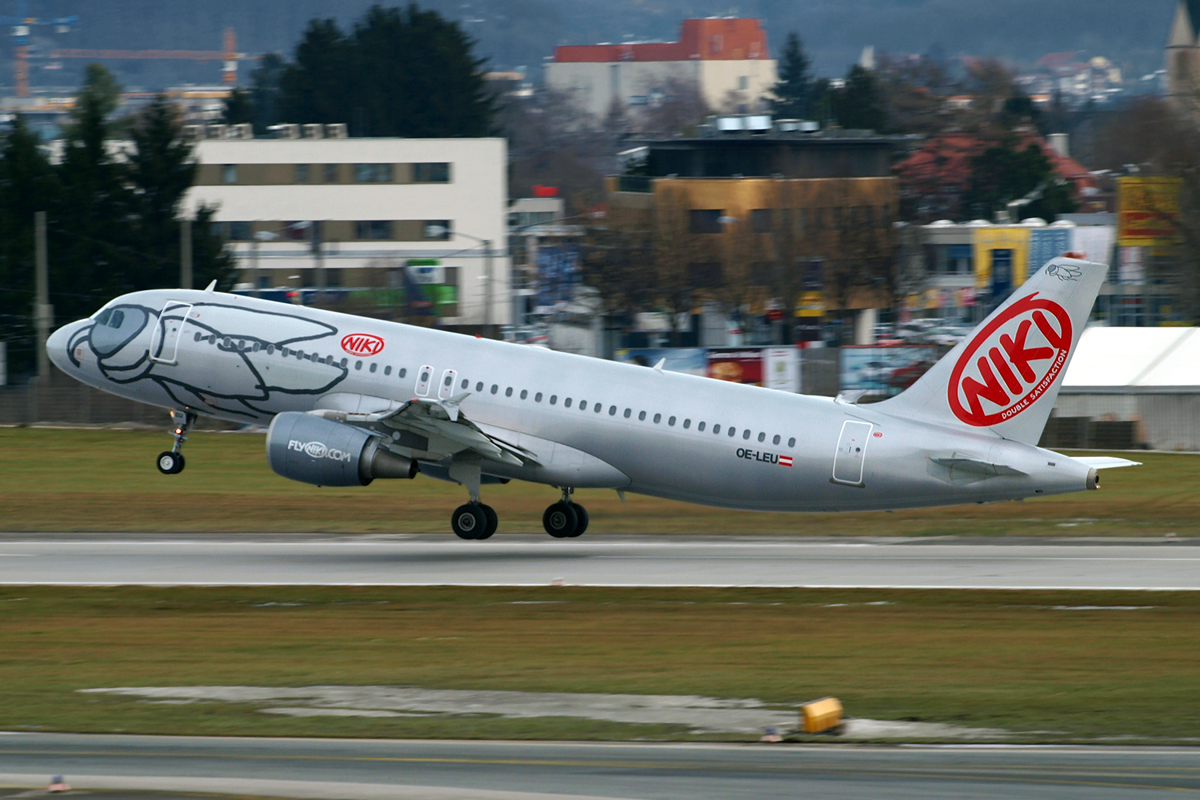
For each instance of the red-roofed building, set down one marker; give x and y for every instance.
(724, 57)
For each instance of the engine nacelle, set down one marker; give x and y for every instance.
(316, 450)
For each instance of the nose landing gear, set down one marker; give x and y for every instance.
(171, 462)
(565, 519)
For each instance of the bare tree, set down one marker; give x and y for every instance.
(676, 107)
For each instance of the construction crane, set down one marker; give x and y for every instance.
(230, 56)
(21, 24)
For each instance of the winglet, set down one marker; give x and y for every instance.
(212, 286)
(659, 365)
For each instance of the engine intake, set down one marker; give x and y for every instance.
(315, 450)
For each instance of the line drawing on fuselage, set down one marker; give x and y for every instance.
(123, 356)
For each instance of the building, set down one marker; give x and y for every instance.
(328, 211)
(726, 59)
(1183, 54)
(782, 223)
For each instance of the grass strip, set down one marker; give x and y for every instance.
(1049, 666)
(105, 480)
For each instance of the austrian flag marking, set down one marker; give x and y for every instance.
(785, 461)
(1011, 362)
(362, 344)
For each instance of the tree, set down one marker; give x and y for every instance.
(793, 92)
(264, 92)
(402, 72)
(860, 105)
(1002, 174)
(238, 108)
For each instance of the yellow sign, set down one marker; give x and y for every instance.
(988, 240)
(812, 304)
(1147, 211)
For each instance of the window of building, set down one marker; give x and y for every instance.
(331, 173)
(762, 219)
(302, 173)
(240, 232)
(431, 172)
(743, 83)
(229, 173)
(373, 229)
(437, 229)
(704, 220)
(372, 173)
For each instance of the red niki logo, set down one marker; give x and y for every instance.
(1011, 362)
(362, 344)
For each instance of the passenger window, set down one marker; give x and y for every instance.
(716, 429)
(270, 349)
(746, 433)
(567, 402)
(792, 442)
(671, 422)
(401, 373)
(641, 416)
(761, 436)
(227, 342)
(687, 423)
(387, 370)
(776, 439)
(628, 411)
(553, 399)
(583, 405)
(732, 431)
(479, 386)
(537, 398)
(465, 383)
(424, 375)
(612, 411)
(197, 337)
(495, 388)
(283, 351)
(524, 393)
(508, 392)
(699, 427)
(657, 418)
(374, 366)
(358, 365)
(346, 361)
(598, 407)
(449, 379)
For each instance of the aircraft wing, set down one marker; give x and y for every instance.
(1106, 462)
(436, 428)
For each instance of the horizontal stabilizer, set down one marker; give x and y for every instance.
(1105, 462)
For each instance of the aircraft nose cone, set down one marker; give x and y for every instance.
(56, 346)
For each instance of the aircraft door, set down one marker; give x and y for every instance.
(164, 341)
(851, 453)
(446, 387)
(424, 378)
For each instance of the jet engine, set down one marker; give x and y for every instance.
(315, 450)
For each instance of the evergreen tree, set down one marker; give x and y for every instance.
(794, 89)
(402, 72)
(859, 104)
(1002, 174)
(264, 92)
(238, 108)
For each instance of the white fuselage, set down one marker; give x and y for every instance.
(592, 423)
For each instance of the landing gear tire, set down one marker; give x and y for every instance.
(560, 520)
(470, 521)
(492, 521)
(170, 462)
(582, 517)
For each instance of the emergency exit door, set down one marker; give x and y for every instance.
(851, 453)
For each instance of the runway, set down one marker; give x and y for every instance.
(265, 559)
(509, 770)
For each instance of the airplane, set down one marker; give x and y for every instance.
(348, 400)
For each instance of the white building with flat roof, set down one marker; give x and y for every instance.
(340, 212)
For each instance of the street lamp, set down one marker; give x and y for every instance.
(442, 230)
(268, 236)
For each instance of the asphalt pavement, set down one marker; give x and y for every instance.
(294, 559)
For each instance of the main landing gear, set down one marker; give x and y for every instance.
(565, 519)
(473, 520)
(171, 462)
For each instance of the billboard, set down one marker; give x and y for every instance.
(1001, 258)
(1147, 211)
(736, 364)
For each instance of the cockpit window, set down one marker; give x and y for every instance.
(115, 328)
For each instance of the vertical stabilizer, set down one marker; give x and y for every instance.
(1005, 376)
